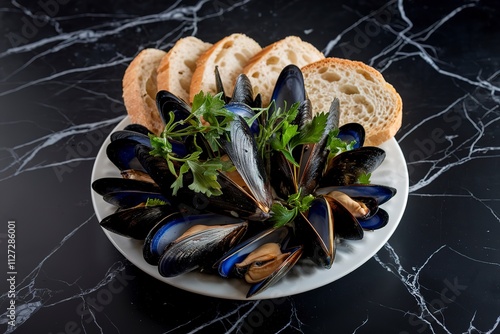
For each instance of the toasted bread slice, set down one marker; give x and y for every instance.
(365, 97)
(230, 54)
(140, 88)
(178, 65)
(264, 68)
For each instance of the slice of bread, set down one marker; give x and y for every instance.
(140, 88)
(230, 54)
(178, 65)
(264, 68)
(365, 97)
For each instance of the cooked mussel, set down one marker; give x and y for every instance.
(347, 167)
(136, 222)
(172, 227)
(199, 247)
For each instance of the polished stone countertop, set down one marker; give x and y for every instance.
(61, 66)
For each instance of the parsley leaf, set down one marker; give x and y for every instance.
(154, 202)
(295, 203)
(208, 118)
(364, 178)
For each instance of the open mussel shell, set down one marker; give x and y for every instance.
(346, 225)
(132, 135)
(282, 175)
(352, 132)
(348, 166)
(244, 111)
(375, 222)
(132, 198)
(199, 250)
(289, 88)
(242, 150)
(121, 152)
(279, 273)
(243, 92)
(380, 193)
(317, 230)
(172, 227)
(138, 128)
(227, 265)
(136, 222)
(108, 185)
(315, 156)
(234, 201)
(167, 103)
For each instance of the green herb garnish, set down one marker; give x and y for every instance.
(206, 108)
(295, 203)
(364, 178)
(154, 202)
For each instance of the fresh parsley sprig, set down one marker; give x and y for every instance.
(208, 118)
(284, 213)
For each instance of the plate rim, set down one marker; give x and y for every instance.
(210, 285)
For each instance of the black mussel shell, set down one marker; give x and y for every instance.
(281, 175)
(219, 85)
(243, 92)
(168, 102)
(132, 198)
(377, 221)
(346, 225)
(244, 111)
(139, 128)
(172, 227)
(131, 135)
(108, 185)
(281, 271)
(312, 163)
(136, 222)
(226, 266)
(202, 249)
(289, 88)
(347, 167)
(316, 232)
(121, 152)
(234, 201)
(380, 193)
(352, 132)
(242, 150)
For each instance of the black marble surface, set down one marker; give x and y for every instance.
(61, 64)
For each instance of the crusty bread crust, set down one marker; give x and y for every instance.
(140, 88)
(230, 54)
(365, 97)
(178, 65)
(264, 68)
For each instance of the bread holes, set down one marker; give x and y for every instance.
(255, 75)
(151, 88)
(242, 59)
(306, 59)
(227, 45)
(185, 82)
(292, 56)
(330, 76)
(363, 102)
(272, 60)
(365, 74)
(349, 89)
(190, 64)
(322, 70)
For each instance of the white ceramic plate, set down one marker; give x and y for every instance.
(303, 277)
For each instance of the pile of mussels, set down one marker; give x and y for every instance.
(232, 234)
